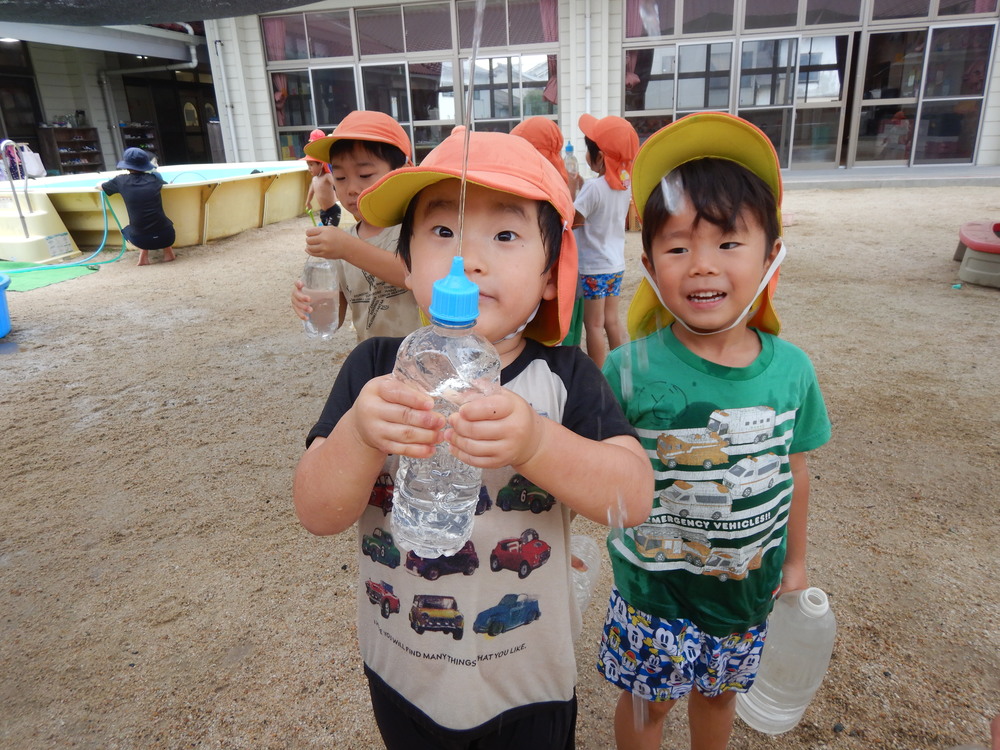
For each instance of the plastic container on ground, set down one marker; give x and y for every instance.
(586, 567)
(319, 281)
(572, 166)
(434, 500)
(4, 313)
(800, 635)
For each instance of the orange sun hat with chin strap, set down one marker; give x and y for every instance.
(362, 125)
(502, 162)
(699, 136)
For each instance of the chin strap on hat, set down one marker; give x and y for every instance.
(772, 269)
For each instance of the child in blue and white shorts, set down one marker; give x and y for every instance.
(601, 207)
(726, 412)
(661, 660)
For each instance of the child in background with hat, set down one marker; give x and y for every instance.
(601, 210)
(547, 138)
(321, 187)
(726, 411)
(476, 684)
(363, 148)
(149, 228)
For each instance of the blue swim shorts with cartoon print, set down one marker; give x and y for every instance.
(599, 285)
(662, 660)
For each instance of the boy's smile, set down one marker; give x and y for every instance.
(502, 249)
(705, 275)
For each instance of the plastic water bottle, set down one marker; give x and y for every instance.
(434, 500)
(586, 567)
(319, 281)
(571, 164)
(796, 653)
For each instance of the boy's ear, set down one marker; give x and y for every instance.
(551, 287)
(648, 264)
(773, 254)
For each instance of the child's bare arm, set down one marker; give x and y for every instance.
(793, 574)
(309, 196)
(608, 481)
(334, 477)
(332, 242)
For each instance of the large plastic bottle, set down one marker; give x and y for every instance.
(434, 500)
(319, 281)
(796, 654)
(571, 164)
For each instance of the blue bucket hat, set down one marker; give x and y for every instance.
(137, 160)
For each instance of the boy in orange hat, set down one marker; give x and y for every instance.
(322, 189)
(482, 686)
(727, 411)
(601, 207)
(363, 148)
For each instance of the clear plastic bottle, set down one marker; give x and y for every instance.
(319, 281)
(796, 654)
(434, 500)
(571, 164)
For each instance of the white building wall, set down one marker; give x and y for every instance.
(242, 89)
(989, 142)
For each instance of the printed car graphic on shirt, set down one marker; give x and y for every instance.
(380, 548)
(732, 564)
(752, 424)
(512, 611)
(522, 554)
(381, 593)
(697, 499)
(691, 448)
(381, 496)
(464, 561)
(753, 474)
(660, 543)
(520, 494)
(437, 613)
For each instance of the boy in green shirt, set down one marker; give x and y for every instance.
(726, 412)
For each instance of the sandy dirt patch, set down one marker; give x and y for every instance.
(156, 590)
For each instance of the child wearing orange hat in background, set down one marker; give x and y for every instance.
(323, 191)
(362, 149)
(450, 674)
(544, 134)
(601, 209)
(726, 411)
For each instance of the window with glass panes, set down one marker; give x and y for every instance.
(784, 65)
(412, 62)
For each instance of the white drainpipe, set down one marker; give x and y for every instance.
(227, 103)
(109, 102)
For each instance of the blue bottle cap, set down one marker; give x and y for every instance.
(455, 299)
(569, 147)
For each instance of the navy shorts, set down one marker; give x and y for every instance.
(662, 660)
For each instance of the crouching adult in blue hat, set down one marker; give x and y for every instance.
(148, 228)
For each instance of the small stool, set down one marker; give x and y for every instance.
(979, 250)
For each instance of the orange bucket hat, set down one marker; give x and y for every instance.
(619, 143)
(699, 136)
(361, 125)
(498, 161)
(546, 137)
